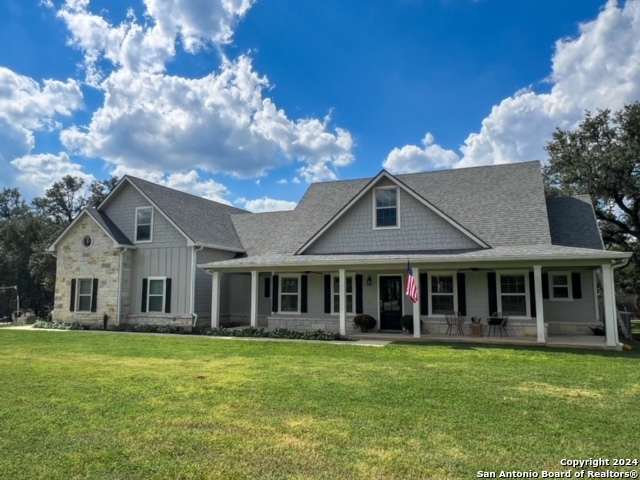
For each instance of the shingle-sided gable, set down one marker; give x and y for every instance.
(573, 222)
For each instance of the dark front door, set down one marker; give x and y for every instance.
(390, 302)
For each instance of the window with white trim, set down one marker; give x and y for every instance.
(385, 207)
(144, 224)
(290, 294)
(156, 294)
(560, 286)
(84, 294)
(442, 293)
(349, 294)
(513, 294)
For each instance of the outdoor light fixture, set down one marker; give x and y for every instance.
(369, 280)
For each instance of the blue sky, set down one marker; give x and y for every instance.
(246, 102)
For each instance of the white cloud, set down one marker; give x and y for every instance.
(600, 68)
(282, 181)
(411, 158)
(157, 122)
(266, 204)
(295, 180)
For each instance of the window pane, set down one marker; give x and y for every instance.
(386, 217)
(336, 284)
(386, 198)
(85, 287)
(560, 292)
(144, 216)
(143, 232)
(514, 305)
(289, 303)
(336, 303)
(156, 287)
(349, 303)
(289, 285)
(560, 280)
(512, 284)
(155, 303)
(84, 303)
(442, 304)
(442, 284)
(349, 284)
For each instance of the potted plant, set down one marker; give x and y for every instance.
(407, 323)
(365, 322)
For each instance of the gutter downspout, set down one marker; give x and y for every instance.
(614, 267)
(119, 294)
(194, 315)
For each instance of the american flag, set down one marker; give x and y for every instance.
(412, 291)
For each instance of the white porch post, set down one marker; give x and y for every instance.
(416, 306)
(254, 299)
(537, 281)
(215, 300)
(343, 301)
(608, 289)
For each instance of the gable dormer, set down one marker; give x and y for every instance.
(386, 215)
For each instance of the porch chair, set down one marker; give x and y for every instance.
(498, 320)
(454, 319)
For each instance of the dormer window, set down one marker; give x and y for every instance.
(144, 224)
(385, 208)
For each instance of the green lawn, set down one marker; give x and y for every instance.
(87, 405)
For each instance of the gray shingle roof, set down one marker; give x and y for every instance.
(573, 222)
(202, 220)
(106, 223)
(502, 205)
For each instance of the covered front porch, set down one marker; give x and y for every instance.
(549, 300)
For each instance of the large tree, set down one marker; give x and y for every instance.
(601, 158)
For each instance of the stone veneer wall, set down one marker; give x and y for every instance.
(330, 324)
(100, 260)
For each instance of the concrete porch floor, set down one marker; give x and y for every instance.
(557, 341)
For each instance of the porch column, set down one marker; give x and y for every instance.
(254, 299)
(215, 300)
(537, 281)
(608, 289)
(416, 306)
(343, 301)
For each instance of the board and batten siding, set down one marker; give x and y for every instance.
(122, 211)
(420, 229)
(581, 311)
(202, 303)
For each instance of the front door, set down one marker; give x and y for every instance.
(390, 302)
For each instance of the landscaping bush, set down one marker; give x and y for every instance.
(365, 322)
(407, 322)
(276, 333)
(60, 325)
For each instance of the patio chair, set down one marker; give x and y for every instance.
(498, 320)
(454, 319)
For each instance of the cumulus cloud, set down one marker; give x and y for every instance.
(266, 204)
(222, 122)
(600, 68)
(411, 158)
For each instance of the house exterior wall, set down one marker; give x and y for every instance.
(420, 229)
(122, 211)
(74, 261)
(573, 317)
(202, 302)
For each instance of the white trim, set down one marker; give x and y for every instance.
(525, 274)
(367, 188)
(253, 313)
(455, 291)
(569, 286)
(375, 208)
(219, 247)
(537, 281)
(402, 287)
(76, 300)
(164, 293)
(334, 293)
(343, 301)
(215, 299)
(135, 228)
(298, 293)
(595, 295)
(417, 323)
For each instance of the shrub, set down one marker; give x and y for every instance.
(407, 322)
(60, 325)
(276, 333)
(364, 321)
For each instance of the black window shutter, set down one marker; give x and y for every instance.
(424, 294)
(303, 293)
(359, 308)
(167, 297)
(493, 295)
(72, 302)
(267, 287)
(545, 285)
(143, 305)
(94, 296)
(462, 294)
(532, 294)
(327, 294)
(576, 286)
(274, 297)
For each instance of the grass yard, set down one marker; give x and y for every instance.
(87, 405)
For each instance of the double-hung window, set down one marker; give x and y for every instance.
(443, 292)
(144, 224)
(513, 294)
(85, 293)
(290, 294)
(156, 294)
(386, 207)
(349, 294)
(560, 286)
